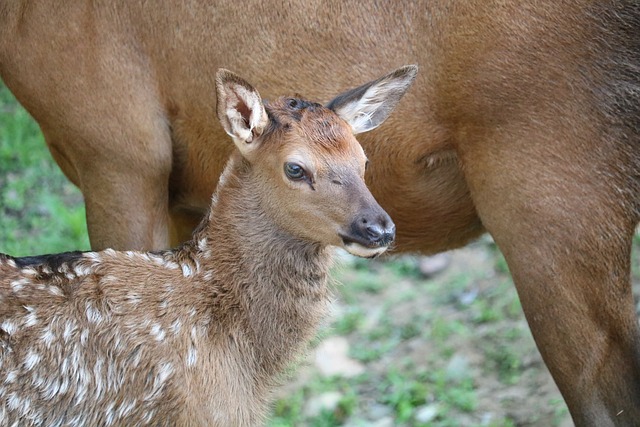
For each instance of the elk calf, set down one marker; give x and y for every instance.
(199, 334)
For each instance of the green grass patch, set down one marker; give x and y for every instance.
(40, 210)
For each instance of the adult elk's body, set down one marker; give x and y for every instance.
(196, 336)
(524, 122)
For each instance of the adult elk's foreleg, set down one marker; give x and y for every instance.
(563, 216)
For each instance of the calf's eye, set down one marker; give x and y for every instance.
(294, 171)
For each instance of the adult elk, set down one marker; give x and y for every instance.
(199, 334)
(524, 122)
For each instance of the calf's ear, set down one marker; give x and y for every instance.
(367, 106)
(240, 111)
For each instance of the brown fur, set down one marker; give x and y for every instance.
(192, 336)
(524, 122)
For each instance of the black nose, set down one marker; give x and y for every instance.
(375, 230)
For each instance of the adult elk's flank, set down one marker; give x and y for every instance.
(199, 334)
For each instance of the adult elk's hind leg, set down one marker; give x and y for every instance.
(123, 173)
(560, 206)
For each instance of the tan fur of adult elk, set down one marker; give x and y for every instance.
(524, 123)
(197, 335)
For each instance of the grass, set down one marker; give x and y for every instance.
(436, 351)
(40, 211)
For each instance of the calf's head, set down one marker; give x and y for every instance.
(309, 166)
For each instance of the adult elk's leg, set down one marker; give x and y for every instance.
(559, 203)
(123, 173)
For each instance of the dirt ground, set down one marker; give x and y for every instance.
(456, 344)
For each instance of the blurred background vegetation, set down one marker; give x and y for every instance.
(40, 210)
(402, 348)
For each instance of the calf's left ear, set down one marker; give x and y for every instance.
(367, 106)
(240, 111)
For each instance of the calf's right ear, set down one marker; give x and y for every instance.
(367, 106)
(240, 111)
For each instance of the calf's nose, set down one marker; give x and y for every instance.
(377, 229)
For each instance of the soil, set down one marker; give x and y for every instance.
(464, 324)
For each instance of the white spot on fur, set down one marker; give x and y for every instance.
(148, 416)
(55, 290)
(109, 279)
(47, 336)
(158, 260)
(13, 401)
(93, 256)
(202, 244)
(18, 285)
(109, 414)
(28, 271)
(37, 380)
(164, 373)
(157, 332)
(31, 360)
(75, 421)
(171, 265)
(137, 358)
(25, 407)
(93, 315)
(84, 337)
(166, 369)
(186, 270)
(81, 270)
(98, 375)
(51, 389)
(126, 408)
(31, 319)
(11, 377)
(81, 391)
(69, 329)
(109, 252)
(192, 356)
(64, 385)
(9, 327)
(176, 326)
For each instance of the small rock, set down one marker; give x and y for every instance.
(457, 368)
(468, 297)
(427, 413)
(383, 422)
(325, 402)
(378, 411)
(431, 265)
(486, 419)
(332, 358)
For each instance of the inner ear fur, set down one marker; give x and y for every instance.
(240, 110)
(368, 106)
